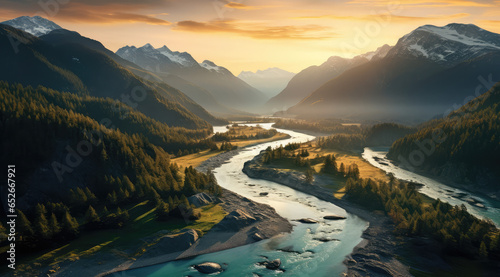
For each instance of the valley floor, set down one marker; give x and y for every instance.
(381, 253)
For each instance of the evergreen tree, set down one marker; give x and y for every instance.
(91, 216)
(483, 252)
(54, 225)
(23, 225)
(69, 225)
(342, 169)
(42, 227)
(309, 175)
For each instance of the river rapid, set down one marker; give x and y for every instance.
(300, 252)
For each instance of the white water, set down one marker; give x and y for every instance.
(315, 258)
(435, 189)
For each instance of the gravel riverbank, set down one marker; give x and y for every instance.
(375, 255)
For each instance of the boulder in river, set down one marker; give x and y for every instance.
(308, 221)
(334, 217)
(263, 193)
(272, 265)
(208, 268)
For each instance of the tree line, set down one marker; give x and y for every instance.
(458, 230)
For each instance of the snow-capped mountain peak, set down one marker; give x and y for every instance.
(148, 46)
(211, 66)
(184, 58)
(35, 25)
(449, 44)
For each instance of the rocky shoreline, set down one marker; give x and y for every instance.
(375, 255)
(247, 222)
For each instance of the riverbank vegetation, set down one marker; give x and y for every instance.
(294, 156)
(458, 231)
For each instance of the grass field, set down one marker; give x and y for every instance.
(196, 159)
(335, 183)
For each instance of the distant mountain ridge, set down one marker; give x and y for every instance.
(311, 78)
(270, 81)
(424, 74)
(216, 81)
(35, 25)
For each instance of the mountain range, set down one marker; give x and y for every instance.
(311, 78)
(66, 61)
(209, 84)
(270, 81)
(427, 72)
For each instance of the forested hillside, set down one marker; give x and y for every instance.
(67, 63)
(468, 140)
(82, 162)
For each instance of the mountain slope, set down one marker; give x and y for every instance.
(466, 148)
(270, 81)
(73, 67)
(415, 80)
(226, 88)
(35, 25)
(311, 78)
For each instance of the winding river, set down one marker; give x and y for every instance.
(304, 255)
(477, 204)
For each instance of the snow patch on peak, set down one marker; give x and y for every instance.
(210, 66)
(450, 32)
(183, 59)
(148, 46)
(419, 49)
(35, 25)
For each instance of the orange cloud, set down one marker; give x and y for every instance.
(257, 31)
(424, 3)
(91, 11)
(391, 17)
(110, 17)
(240, 6)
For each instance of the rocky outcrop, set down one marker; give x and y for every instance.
(272, 265)
(308, 221)
(236, 220)
(201, 199)
(173, 243)
(208, 268)
(334, 217)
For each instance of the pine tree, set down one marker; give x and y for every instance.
(483, 252)
(342, 169)
(309, 175)
(23, 225)
(162, 211)
(69, 225)
(91, 216)
(42, 227)
(54, 225)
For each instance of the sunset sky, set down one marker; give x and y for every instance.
(255, 34)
